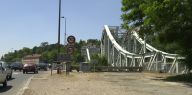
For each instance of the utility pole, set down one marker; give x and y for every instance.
(59, 30)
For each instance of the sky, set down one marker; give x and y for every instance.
(27, 23)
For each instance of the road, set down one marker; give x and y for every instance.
(15, 84)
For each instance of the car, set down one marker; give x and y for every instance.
(16, 66)
(7, 69)
(30, 68)
(42, 66)
(3, 76)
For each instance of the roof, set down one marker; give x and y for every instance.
(33, 56)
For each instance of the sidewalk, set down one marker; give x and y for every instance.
(74, 84)
(108, 83)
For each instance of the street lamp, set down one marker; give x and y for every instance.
(65, 30)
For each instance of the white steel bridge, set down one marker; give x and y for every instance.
(126, 49)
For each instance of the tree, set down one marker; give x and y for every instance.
(44, 44)
(169, 21)
(132, 14)
(2, 58)
(82, 43)
(93, 42)
(99, 60)
(78, 58)
(49, 52)
(26, 51)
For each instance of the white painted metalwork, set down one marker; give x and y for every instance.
(135, 52)
(88, 55)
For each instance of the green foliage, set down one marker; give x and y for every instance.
(180, 78)
(188, 59)
(94, 42)
(49, 52)
(77, 58)
(167, 22)
(99, 60)
(44, 44)
(132, 14)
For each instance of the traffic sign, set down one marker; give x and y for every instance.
(70, 49)
(64, 57)
(71, 39)
(70, 45)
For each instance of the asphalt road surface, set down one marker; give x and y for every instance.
(15, 84)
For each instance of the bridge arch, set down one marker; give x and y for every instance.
(126, 49)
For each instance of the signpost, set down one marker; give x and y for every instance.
(64, 57)
(70, 45)
(70, 50)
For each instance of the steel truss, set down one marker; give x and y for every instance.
(129, 50)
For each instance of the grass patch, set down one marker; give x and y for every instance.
(180, 78)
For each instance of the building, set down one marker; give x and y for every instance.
(31, 59)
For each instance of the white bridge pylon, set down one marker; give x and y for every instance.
(127, 49)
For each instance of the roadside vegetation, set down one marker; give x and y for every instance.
(180, 78)
(49, 52)
(167, 24)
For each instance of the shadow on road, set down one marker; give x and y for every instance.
(186, 79)
(4, 89)
(11, 79)
(31, 73)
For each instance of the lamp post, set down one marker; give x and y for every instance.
(65, 30)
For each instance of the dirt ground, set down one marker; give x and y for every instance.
(106, 83)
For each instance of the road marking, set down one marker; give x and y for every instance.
(21, 91)
(15, 73)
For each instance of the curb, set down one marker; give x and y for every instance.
(22, 90)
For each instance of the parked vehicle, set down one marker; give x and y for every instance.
(3, 76)
(42, 66)
(30, 68)
(16, 66)
(7, 69)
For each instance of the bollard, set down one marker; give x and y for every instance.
(58, 70)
